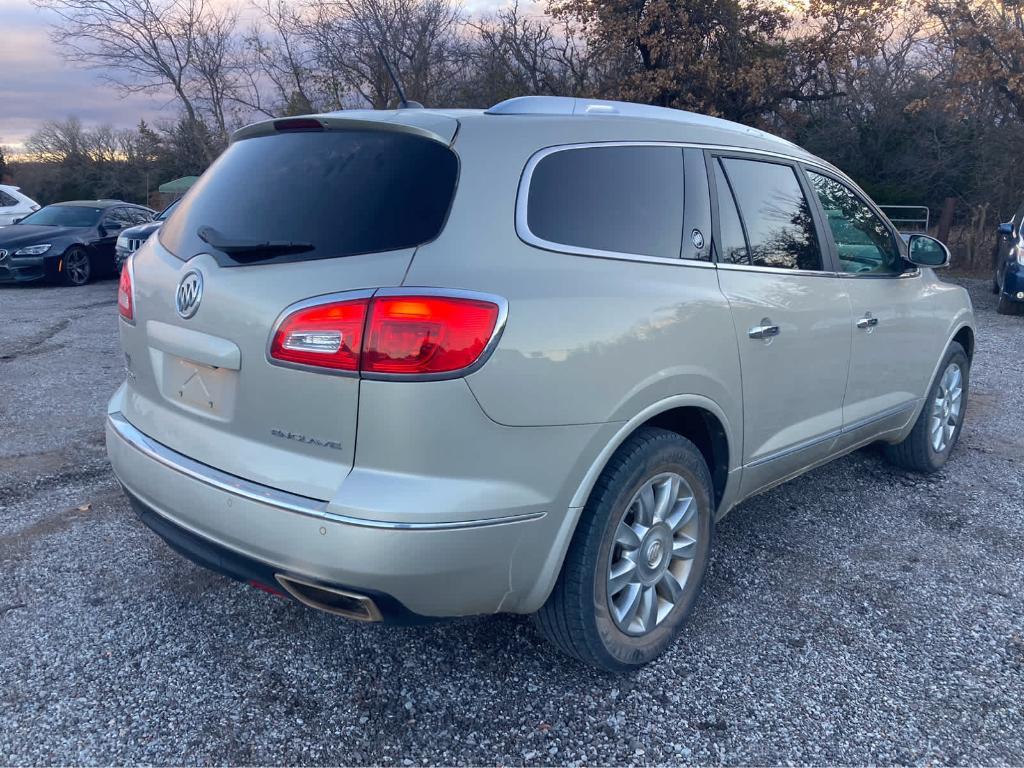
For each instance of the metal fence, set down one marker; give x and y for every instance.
(908, 218)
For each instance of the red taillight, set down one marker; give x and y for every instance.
(426, 334)
(324, 335)
(125, 305)
(389, 335)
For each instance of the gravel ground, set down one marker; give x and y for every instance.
(855, 615)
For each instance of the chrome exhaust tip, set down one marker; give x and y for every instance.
(340, 602)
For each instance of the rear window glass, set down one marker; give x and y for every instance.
(621, 199)
(340, 192)
(776, 216)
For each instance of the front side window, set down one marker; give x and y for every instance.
(863, 243)
(622, 199)
(776, 215)
(138, 216)
(117, 217)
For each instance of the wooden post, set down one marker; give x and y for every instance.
(946, 219)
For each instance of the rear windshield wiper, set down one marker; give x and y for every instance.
(250, 250)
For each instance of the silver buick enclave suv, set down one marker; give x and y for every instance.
(426, 363)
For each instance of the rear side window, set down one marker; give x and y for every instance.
(340, 193)
(626, 200)
(776, 215)
(733, 246)
(6, 200)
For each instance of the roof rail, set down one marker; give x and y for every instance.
(569, 105)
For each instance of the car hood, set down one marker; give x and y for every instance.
(141, 231)
(21, 235)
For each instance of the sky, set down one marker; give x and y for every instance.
(36, 85)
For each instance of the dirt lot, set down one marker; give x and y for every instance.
(856, 615)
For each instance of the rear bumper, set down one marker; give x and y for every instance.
(250, 531)
(226, 562)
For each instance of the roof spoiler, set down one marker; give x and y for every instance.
(416, 122)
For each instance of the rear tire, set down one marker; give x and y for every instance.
(1009, 307)
(637, 560)
(937, 429)
(76, 269)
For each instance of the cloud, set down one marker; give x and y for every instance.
(38, 85)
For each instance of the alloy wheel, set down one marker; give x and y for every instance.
(946, 406)
(652, 555)
(76, 267)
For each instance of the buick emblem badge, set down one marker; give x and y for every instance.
(189, 294)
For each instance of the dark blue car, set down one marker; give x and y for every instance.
(1008, 280)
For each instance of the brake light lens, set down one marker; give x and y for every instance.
(125, 304)
(426, 334)
(324, 336)
(392, 335)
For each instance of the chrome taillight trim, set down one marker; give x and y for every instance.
(454, 293)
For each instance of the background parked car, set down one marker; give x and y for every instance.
(1008, 280)
(72, 242)
(14, 205)
(129, 241)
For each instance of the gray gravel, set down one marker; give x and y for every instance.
(855, 615)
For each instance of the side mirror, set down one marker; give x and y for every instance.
(1006, 230)
(926, 251)
(17, 220)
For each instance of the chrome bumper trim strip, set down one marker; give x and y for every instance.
(262, 494)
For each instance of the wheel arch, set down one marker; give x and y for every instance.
(697, 418)
(965, 338)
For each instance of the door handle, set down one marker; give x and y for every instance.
(764, 331)
(867, 321)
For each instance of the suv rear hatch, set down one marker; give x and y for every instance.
(293, 209)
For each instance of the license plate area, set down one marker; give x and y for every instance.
(202, 389)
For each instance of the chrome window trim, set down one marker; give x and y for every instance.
(910, 273)
(523, 199)
(777, 270)
(328, 298)
(523, 193)
(272, 497)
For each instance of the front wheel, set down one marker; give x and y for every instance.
(77, 267)
(937, 429)
(636, 563)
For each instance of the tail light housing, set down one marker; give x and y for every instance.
(398, 333)
(125, 293)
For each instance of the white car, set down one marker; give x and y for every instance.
(14, 205)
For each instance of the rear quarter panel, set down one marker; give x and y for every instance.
(588, 339)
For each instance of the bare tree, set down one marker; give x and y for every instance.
(420, 37)
(215, 66)
(144, 46)
(277, 56)
(517, 54)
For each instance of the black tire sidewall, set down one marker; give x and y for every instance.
(668, 454)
